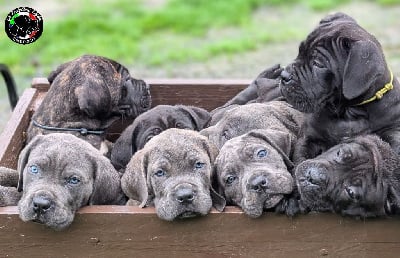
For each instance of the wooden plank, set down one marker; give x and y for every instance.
(13, 135)
(130, 231)
(205, 93)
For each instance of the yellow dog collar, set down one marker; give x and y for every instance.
(379, 94)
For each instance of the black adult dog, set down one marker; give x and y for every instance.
(359, 177)
(341, 78)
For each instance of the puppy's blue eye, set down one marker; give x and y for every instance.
(262, 153)
(230, 179)
(34, 169)
(73, 180)
(160, 173)
(199, 165)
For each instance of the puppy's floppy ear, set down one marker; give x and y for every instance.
(94, 98)
(199, 116)
(24, 157)
(365, 66)
(134, 180)
(218, 200)
(107, 184)
(124, 147)
(281, 141)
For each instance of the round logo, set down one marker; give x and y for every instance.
(24, 25)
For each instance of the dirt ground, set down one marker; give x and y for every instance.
(383, 22)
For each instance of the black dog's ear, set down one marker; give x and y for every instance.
(281, 141)
(199, 116)
(94, 98)
(24, 157)
(365, 66)
(134, 180)
(125, 146)
(107, 183)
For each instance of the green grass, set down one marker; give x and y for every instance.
(130, 32)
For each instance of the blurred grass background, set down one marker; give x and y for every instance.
(183, 38)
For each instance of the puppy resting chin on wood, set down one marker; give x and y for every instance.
(58, 174)
(173, 172)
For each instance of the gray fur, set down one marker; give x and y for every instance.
(174, 152)
(253, 182)
(65, 173)
(277, 115)
(9, 196)
(153, 122)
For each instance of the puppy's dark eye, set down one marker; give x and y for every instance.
(350, 192)
(148, 138)
(225, 134)
(317, 63)
(34, 169)
(262, 153)
(199, 165)
(73, 180)
(230, 179)
(160, 173)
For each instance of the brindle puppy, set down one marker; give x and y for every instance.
(90, 92)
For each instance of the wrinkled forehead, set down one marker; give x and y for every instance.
(329, 32)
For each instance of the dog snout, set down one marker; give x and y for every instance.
(315, 175)
(286, 76)
(258, 183)
(185, 195)
(41, 204)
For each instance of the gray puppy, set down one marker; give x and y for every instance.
(358, 177)
(252, 172)
(173, 172)
(153, 122)
(341, 78)
(59, 173)
(277, 115)
(86, 96)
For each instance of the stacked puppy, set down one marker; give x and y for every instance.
(316, 135)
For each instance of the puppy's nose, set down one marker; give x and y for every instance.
(41, 204)
(315, 176)
(258, 183)
(185, 195)
(286, 76)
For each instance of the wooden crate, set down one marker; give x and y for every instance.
(118, 231)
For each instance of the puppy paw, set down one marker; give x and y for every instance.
(272, 72)
(289, 206)
(9, 196)
(132, 202)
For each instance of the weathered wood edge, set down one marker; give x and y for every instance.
(13, 133)
(43, 84)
